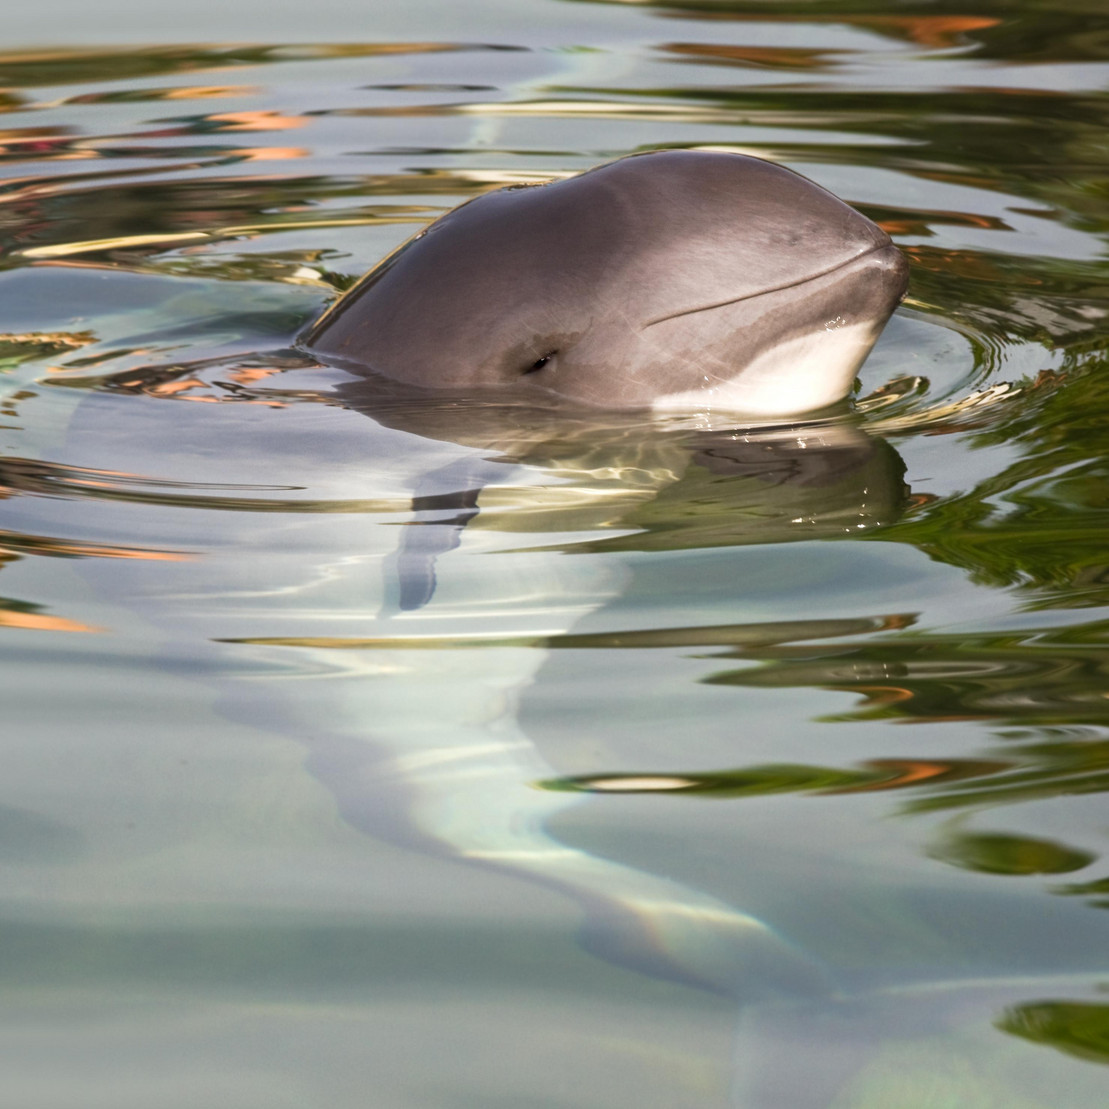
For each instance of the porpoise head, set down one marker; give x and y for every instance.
(670, 280)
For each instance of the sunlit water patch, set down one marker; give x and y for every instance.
(477, 755)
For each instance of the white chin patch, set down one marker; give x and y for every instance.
(808, 372)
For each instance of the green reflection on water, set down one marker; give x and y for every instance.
(1039, 523)
(996, 853)
(1027, 677)
(1076, 1028)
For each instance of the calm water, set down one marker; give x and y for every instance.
(605, 795)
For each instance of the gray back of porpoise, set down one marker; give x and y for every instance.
(671, 280)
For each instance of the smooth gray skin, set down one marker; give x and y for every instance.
(660, 280)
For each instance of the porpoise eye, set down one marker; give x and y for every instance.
(539, 363)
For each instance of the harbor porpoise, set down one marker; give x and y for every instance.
(678, 279)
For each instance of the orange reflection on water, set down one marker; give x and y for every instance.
(882, 694)
(935, 32)
(921, 222)
(785, 57)
(960, 263)
(187, 389)
(938, 32)
(14, 545)
(37, 621)
(172, 388)
(252, 375)
(36, 144)
(904, 773)
(182, 92)
(204, 92)
(265, 120)
(268, 153)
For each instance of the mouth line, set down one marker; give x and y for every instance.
(769, 289)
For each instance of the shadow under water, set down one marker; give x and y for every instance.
(419, 740)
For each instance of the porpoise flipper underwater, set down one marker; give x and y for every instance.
(443, 503)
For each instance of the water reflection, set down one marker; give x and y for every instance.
(1036, 523)
(683, 485)
(667, 631)
(1076, 1028)
(1013, 677)
(758, 781)
(998, 853)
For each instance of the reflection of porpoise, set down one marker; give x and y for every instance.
(675, 279)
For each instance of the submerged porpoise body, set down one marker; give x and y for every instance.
(671, 280)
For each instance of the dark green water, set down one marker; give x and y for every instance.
(706, 776)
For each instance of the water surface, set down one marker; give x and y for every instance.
(604, 794)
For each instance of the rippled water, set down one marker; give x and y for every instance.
(360, 754)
